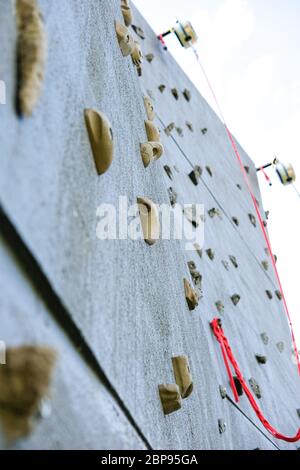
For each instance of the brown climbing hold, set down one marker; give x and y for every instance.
(168, 171)
(101, 139)
(162, 88)
(238, 386)
(150, 152)
(210, 253)
(175, 93)
(195, 175)
(278, 294)
(236, 221)
(235, 299)
(149, 220)
(31, 55)
(152, 131)
(127, 12)
(265, 338)
(170, 128)
(196, 276)
(187, 94)
(280, 346)
(125, 39)
(190, 126)
(265, 265)
(150, 58)
(149, 108)
(172, 196)
(234, 261)
(24, 383)
(220, 307)
(204, 131)
(138, 31)
(261, 359)
(182, 374)
(191, 295)
(170, 398)
(137, 57)
(269, 294)
(252, 219)
(209, 170)
(255, 388)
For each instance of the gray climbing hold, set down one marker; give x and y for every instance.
(265, 338)
(278, 294)
(223, 392)
(168, 171)
(269, 294)
(261, 359)
(196, 276)
(222, 426)
(175, 93)
(220, 307)
(187, 94)
(204, 131)
(172, 196)
(255, 388)
(236, 221)
(280, 346)
(162, 88)
(198, 249)
(247, 169)
(195, 175)
(190, 126)
(234, 261)
(239, 187)
(170, 128)
(138, 31)
(179, 131)
(298, 412)
(252, 219)
(191, 295)
(238, 386)
(213, 212)
(225, 264)
(265, 265)
(209, 171)
(149, 57)
(211, 254)
(235, 299)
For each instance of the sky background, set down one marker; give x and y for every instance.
(250, 50)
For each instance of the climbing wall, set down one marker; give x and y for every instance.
(115, 311)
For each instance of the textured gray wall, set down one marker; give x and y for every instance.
(127, 298)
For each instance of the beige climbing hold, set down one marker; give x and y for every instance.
(149, 108)
(101, 139)
(170, 398)
(125, 40)
(137, 57)
(191, 295)
(265, 265)
(127, 12)
(182, 374)
(149, 220)
(150, 152)
(152, 131)
(31, 55)
(24, 382)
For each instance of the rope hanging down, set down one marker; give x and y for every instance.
(235, 149)
(230, 359)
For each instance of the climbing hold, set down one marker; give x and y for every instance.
(211, 254)
(190, 126)
(138, 31)
(196, 276)
(198, 249)
(170, 398)
(223, 392)
(234, 261)
(170, 128)
(137, 57)
(275, 258)
(191, 295)
(239, 187)
(31, 55)
(209, 170)
(182, 374)
(179, 131)
(261, 359)
(192, 216)
(265, 338)
(252, 219)
(236, 221)
(173, 196)
(175, 93)
(150, 152)
(222, 426)
(162, 88)
(269, 294)
(187, 94)
(235, 299)
(255, 387)
(225, 264)
(152, 131)
(204, 131)
(168, 171)
(213, 212)
(101, 139)
(195, 175)
(298, 412)
(149, 108)
(150, 58)
(247, 169)
(24, 383)
(265, 265)
(149, 220)
(280, 346)
(125, 39)
(127, 12)
(220, 307)
(238, 386)
(278, 294)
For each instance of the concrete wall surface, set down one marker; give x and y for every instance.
(124, 300)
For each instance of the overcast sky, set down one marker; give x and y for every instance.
(250, 49)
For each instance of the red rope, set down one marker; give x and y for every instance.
(266, 176)
(235, 149)
(229, 358)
